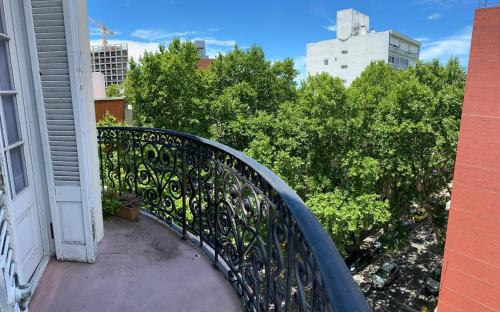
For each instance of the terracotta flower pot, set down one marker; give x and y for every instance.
(130, 205)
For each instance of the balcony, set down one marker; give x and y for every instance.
(219, 204)
(141, 266)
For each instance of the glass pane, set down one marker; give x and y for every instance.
(5, 83)
(18, 169)
(11, 124)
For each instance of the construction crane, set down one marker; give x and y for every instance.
(104, 31)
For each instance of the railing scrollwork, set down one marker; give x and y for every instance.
(254, 228)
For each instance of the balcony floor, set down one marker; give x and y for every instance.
(141, 266)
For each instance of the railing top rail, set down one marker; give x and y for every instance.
(343, 293)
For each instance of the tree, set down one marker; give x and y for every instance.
(272, 83)
(360, 156)
(408, 122)
(243, 87)
(347, 218)
(289, 141)
(114, 90)
(108, 120)
(165, 88)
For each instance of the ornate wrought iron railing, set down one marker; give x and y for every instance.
(254, 228)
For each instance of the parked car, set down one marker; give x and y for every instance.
(432, 283)
(419, 215)
(385, 275)
(376, 246)
(359, 260)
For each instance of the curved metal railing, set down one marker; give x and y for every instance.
(254, 228)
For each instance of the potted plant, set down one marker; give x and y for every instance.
(110, 204)
(129, 206)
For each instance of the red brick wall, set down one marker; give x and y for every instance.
(115, 106)
(204, 63)
(471, 267)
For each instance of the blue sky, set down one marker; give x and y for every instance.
(281, 27)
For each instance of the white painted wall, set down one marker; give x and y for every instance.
(361, 51)
(361, 45)
(99, 85)
(351, 23)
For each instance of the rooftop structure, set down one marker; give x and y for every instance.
(356, 46)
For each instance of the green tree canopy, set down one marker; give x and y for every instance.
(165, 88)
(360, 156)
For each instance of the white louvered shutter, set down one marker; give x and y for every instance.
(59, 72)
(54, 71)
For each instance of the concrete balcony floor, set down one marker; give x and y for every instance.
(141, 266)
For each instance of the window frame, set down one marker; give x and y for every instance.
(5, 146)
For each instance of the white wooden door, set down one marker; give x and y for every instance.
(16, 153)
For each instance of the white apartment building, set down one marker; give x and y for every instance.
(356, 46)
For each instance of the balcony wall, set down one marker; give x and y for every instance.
(471, 267)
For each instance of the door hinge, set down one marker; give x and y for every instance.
(51, 231)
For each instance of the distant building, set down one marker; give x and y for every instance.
(204, 62)
(200, 45)
(111, 60)
(357, 46)
(114, 106)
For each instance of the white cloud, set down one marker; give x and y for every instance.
(155, 34)
(433, 16)
(214, 53)
(213, 50)
(444, 48)
(155, 37)
(332, 27)
(158, 34)
(216, 42)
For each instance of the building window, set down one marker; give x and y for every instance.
(325, 62)
(399, 61)
(414, 50)
(343, 66)
(394, 42)
(344, 52)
